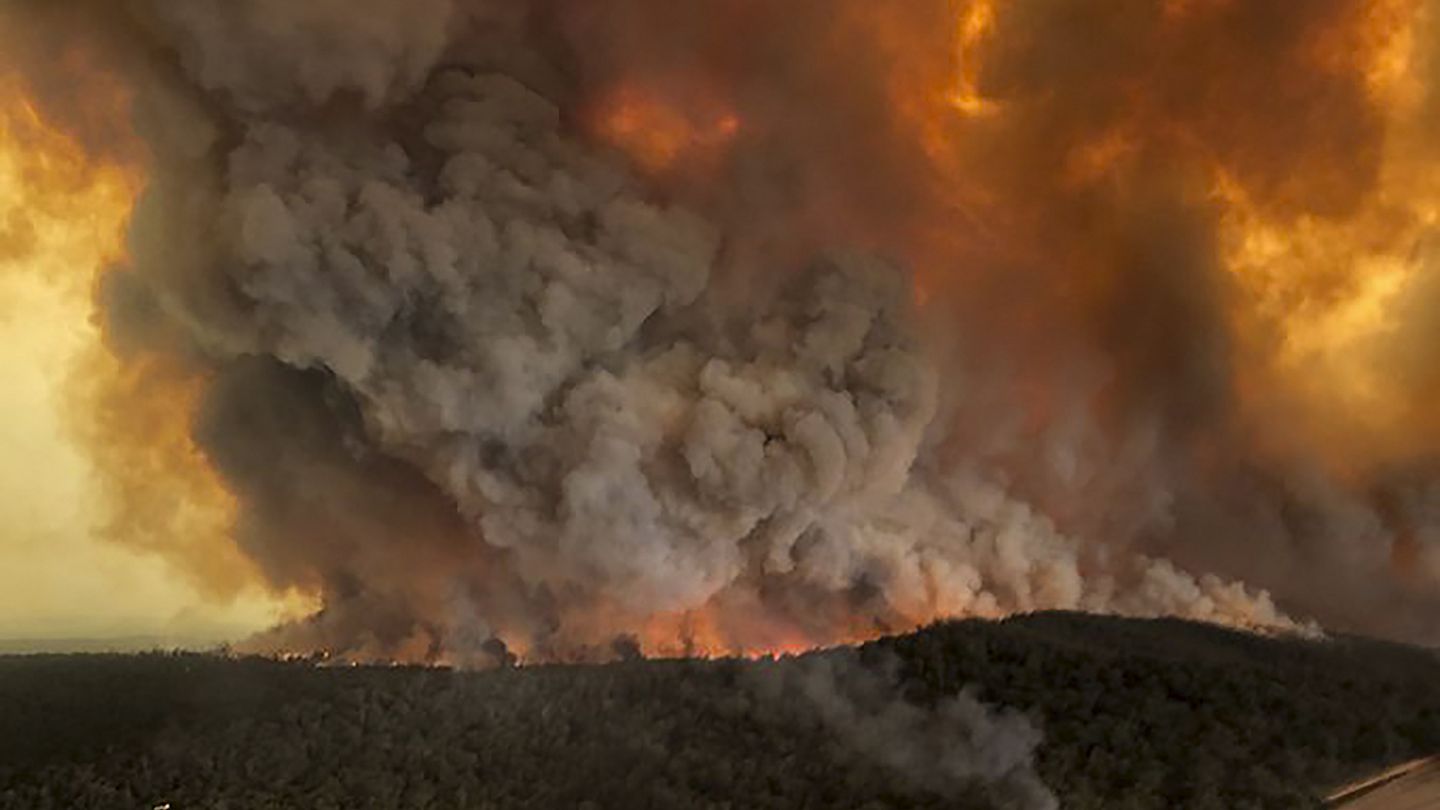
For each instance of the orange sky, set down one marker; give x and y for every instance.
(60, 222)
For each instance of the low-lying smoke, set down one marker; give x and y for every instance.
(956, 749)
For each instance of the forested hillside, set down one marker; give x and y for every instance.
(1079, 711)
(1164, 713)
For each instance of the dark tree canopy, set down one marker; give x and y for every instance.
(1135, 714)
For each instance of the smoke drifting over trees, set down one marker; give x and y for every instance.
(520, 327)
(1146, 714)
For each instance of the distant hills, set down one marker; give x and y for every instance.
(1031, 713)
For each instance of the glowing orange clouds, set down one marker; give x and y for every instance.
(107, 453)
(659, 135)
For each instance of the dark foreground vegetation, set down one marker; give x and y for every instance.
(1134, 714)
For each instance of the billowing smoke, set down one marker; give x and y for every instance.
(731, 325)
(956, 749)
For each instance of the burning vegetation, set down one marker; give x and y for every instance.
(1145, 714)
(549, 329)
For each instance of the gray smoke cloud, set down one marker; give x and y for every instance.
(269, 54)
(953, 749)
(477, 380)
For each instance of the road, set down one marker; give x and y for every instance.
(1411, 786)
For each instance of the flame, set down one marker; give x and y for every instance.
(1317, 270)
(1316, 293)
(1317, 289)
(1324, 296)
(720, 631)
(64, 217)
(977, 24)
(1321, 294)
(659, 135)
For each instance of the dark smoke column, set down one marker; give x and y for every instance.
(472, 380)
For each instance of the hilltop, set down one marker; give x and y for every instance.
(1095, 712)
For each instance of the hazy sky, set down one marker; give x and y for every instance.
(57, 578)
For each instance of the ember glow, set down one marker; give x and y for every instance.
(59, 207)
(658, 135)
(1324, 294)
(549, 330)
(977, 22)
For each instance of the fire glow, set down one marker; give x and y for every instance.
(64, 218)
(660, 136)
(763, 327)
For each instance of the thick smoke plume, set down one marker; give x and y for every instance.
(734, 326)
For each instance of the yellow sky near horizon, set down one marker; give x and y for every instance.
(61, 221)
(58, 576)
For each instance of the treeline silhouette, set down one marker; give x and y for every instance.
(1135, 714)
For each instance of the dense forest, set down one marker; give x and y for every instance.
(1033, 712)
